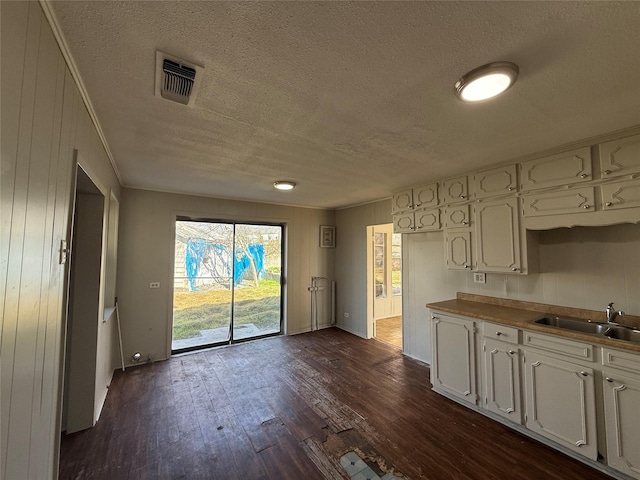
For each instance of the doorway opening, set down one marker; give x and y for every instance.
(81, 342)
(386, 284)
(227, 285)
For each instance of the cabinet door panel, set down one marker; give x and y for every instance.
(458, 250)
(453, 366)
(404, 223)
(579, 200)
(560, 402)
(498, 236)
(425, 196)
(502, 379)
(621, 195)
(497, 181)
(622, 420)
(402, 201)
(561, 169)
(427, 220)
(620, 157)
(457, 217)
(455, 189)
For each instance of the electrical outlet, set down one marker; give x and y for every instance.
(346, 315)
(479, 277)
(154, 285)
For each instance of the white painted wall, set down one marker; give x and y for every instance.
(351, 262)
(43, 120)
(146, 254)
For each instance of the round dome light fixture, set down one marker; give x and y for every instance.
(284, 185)
(486, 81)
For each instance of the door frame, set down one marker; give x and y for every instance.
(370, 286)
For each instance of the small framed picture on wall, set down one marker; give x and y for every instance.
(327, 236)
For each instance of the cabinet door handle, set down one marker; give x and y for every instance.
(607, 172)
(584, 175)
(514, 269)
(433, 317)
(608, 204)
(462, 197)
(511, 189)
(512, 352)
(465, 223)
(498, 334)
(587, 207)
(609, 379)
(584, 374)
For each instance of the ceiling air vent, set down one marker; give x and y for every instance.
(176, 79)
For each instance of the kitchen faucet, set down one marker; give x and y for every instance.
(612, 314)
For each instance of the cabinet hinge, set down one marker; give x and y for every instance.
(525, 418)
(486, 401)
(484, 347)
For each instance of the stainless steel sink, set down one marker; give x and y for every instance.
(619, 332)
(574, 324)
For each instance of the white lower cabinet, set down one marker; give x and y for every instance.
(561, 402)
(501, 364)
(621, 380)
(453, 366)
(545, 384)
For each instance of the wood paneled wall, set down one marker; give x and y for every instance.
(43, 120)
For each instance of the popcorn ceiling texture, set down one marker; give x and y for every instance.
(352, 100)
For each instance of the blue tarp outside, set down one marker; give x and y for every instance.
(198, 251)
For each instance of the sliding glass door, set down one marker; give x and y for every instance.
(226, 283)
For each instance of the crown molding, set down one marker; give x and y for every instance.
(47, 8)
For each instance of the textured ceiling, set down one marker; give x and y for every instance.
(351, 100)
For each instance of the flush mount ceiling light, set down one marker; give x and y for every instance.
(284, 185)
(486, 82)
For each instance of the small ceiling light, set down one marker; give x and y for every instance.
(486, 82)
(284, 185)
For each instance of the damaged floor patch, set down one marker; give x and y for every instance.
(358, 469)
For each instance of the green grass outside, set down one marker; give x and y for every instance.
(259, 306)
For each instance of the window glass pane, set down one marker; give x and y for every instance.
(380, 265)
(396, 264)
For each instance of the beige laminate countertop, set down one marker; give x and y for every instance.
(523, 315)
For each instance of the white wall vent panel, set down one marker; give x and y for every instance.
(176, 79)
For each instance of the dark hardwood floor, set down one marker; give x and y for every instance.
(288, 408)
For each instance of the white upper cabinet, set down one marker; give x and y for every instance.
(427, 219)
(497, 181)
(404, 222)
(555, 170)
(456, 217)
(425, 196)
(455, 189)
(497, 236)
(578, 200)
(458, 245)
(620, 157)
(402, 201)
(621, 195)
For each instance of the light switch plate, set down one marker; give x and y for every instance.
(479, 277)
